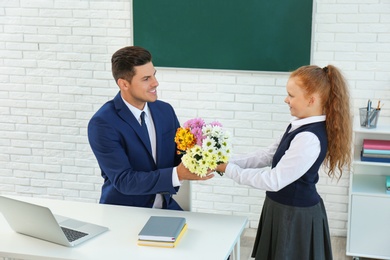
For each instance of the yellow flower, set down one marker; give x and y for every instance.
(184, 139)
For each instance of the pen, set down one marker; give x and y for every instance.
(368, 112)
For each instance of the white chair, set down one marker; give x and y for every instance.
(183, 197)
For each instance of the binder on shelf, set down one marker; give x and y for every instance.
(375, 155)
(374, 159)
(162, 228)
(162, 243)
(375, 151)
(376, 144)
(388, 184)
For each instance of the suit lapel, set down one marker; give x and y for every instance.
(125, 113)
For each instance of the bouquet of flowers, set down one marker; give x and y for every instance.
(203, 146)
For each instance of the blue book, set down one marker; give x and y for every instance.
(162, 228)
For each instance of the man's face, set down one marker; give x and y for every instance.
(142, 88)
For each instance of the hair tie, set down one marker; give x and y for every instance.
(325, 69)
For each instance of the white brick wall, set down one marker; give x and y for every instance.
(55, 73)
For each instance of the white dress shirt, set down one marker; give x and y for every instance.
(253, 169)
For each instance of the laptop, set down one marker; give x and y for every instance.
(39, 222)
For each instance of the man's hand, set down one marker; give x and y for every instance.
(184, 174)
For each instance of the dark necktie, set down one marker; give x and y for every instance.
(145, 130)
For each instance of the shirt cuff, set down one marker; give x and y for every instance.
(230, 167)
(175, 178)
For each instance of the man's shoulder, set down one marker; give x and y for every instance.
(106, 112)
(107, 107)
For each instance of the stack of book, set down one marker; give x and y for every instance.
(162, 231)
(376, 150)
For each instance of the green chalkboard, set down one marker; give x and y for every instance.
(264, 35)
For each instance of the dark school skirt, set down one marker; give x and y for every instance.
(292, 233)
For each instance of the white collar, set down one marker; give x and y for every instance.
(135, 111)
(297, 122)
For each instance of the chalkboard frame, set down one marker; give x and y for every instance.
(225, 34)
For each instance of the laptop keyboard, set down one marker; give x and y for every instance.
(72, 235)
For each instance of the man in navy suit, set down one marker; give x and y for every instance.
(139, 167)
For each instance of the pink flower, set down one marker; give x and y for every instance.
(194, 123)
(216, 123)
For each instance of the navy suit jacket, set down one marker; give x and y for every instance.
(131, 177)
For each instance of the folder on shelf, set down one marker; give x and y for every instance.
(374, 159)
(388, 184)
(376, 152)
(375, 155)
(376, 144)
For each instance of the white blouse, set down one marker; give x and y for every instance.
(253, 169)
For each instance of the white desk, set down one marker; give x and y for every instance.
(209, 236)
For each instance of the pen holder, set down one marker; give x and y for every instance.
(369, 118)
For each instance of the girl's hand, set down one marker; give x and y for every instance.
(221, 167)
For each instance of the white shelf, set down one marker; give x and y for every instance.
(371, 185)
(382, 127)
(357, 161)
(369, 203)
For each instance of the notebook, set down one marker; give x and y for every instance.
(39, 222)
(162, 228)
(163, 243)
